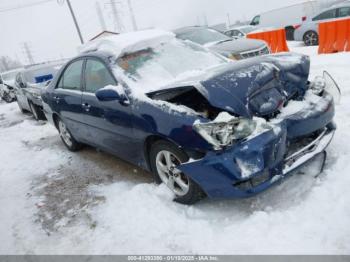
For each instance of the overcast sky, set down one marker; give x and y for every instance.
(50, 32)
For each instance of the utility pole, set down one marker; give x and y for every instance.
(205, 19)
(228, 21)
(100, 17)
(117, 21)
(28, 52)
(133, 19)
(61, 2)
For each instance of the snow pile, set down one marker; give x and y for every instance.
(128, 42)
(309, 105)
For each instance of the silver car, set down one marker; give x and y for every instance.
(216, 41)
(240, 31)
(308, 30)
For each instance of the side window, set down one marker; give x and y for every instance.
(256, 20)
(97, 76)
(228, 33)
(344, 11)
(71, 78)
(326, 15)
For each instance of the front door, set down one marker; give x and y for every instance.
(109, 122)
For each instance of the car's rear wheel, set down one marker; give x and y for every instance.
(67, 138)
(310, 38)
(164, 158)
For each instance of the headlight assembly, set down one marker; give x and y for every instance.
(224, 133)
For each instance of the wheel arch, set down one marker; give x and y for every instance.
(149, 141)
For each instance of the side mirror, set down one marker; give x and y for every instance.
(110, 94)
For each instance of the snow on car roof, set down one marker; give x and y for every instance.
(128, 42)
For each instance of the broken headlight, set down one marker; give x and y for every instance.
(223, 133)
(326, 83)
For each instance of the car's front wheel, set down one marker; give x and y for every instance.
(164, 158)
(310, 38)
(67, 138)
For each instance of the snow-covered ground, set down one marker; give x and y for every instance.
(56, 202)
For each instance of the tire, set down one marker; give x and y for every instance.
(67, 138)
(186, 190)
(7, 98)
(310, 38)
(37, 112)
(290, 33)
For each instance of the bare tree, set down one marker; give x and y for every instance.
(7, 63)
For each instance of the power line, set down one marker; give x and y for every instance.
(25, 6)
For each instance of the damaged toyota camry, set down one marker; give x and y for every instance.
(202, 124)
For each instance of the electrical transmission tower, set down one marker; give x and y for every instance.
(28, 52)
(118, 24)
(100, 16)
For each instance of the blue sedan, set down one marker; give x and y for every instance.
(202, 124)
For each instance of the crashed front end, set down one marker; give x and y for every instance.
(279, 122)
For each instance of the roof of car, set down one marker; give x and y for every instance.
(188, 29)
(240, 27)
(128, 42)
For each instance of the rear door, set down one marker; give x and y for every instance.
(109, 122)
(67, 99)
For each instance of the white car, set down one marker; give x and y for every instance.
(7, 85)
(308, 30)
(290, 17)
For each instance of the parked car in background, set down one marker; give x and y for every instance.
(290, 17)
(29, 85)
(7, 85)
(240, 31)
(202, 124)
(308, 30)
(218, 42)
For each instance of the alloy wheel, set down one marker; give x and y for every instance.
(64, 133)
(175, 180)
(311, 39)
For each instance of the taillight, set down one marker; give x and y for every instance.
(296, 27)
(303, 18)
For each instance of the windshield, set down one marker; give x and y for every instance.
(166, 63)
(203, 36)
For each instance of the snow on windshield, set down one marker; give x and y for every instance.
(152, 68)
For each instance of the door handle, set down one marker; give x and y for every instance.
(57, 99)
(86, 106)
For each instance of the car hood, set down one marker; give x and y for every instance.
(230, 86)
(35, 88)
(236, 46)
(10, 83)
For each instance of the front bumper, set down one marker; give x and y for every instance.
(252, 166)
(220, 175)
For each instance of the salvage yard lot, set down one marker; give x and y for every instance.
(56, 202)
